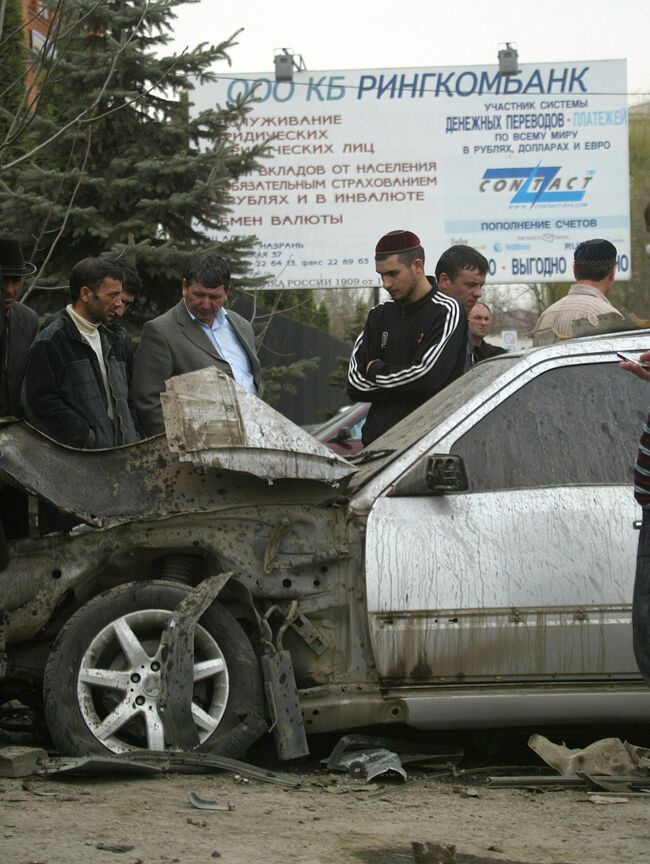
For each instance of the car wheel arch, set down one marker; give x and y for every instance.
(77, 642)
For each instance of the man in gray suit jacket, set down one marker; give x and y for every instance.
(196, 333)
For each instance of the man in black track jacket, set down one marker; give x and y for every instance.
(412, 346)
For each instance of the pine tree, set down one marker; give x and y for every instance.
(13, 67)
(134, 171)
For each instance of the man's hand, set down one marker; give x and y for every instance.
(636, 368)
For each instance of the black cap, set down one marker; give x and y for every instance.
(595, 252)
(12, 262)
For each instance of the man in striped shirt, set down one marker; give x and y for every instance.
(641, 596)
(594, 266)
(412, 346)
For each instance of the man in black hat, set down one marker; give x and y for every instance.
(594, 268)
(412, 346)
(20, 325)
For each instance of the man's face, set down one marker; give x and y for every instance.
(399, 279)
(126, 301)
(466, 287)
(12, 288)
(202, 302)
(479, 321)
(101, 306)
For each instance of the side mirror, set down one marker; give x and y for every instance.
(344, 434)
(446, 473)
(432, 475)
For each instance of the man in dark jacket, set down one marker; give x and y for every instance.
(76, 386)
(479, 319)
(412, 346)
(18, 325)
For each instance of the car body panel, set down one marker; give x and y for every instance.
(520, 583)
(486, 586)
(471, 607)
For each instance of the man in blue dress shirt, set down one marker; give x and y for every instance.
(198, 332)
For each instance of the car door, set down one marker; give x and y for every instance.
(528, 574)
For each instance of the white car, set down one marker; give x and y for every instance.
(473, 567)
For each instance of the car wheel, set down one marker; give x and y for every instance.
(102, 679)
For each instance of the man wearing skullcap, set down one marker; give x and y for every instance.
(412, 345)
(594, 266)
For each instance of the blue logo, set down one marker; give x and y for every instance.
(538, 185)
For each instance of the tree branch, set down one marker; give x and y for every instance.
(122, 48)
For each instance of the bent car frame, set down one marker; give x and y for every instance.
(472, 568)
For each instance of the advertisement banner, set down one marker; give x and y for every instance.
(521, 167)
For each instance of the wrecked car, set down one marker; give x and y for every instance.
(473, 567)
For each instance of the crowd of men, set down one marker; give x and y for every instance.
(79, 381)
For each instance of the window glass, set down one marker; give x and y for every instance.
(571, 425)
(355, 429)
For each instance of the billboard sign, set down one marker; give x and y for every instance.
(521, 167)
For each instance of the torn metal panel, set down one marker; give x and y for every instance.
(136, 482)
(609, 756)
(210, 420)
(365, 757)
(99, 765)
(282, 698)
(190, 763)
(368, 764)
(177, 680)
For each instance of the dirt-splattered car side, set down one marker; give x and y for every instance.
(473, 567)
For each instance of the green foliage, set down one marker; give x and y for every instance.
(300, 305)
(281, 379)
(339, 377)
(129, 172)
(355, 320)
(633, 296)
(13, 67)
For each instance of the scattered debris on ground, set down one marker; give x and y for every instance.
(448, 810)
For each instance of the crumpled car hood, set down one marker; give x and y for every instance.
(224, 451)
(210, 420)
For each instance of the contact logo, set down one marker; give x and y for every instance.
(538, 185)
